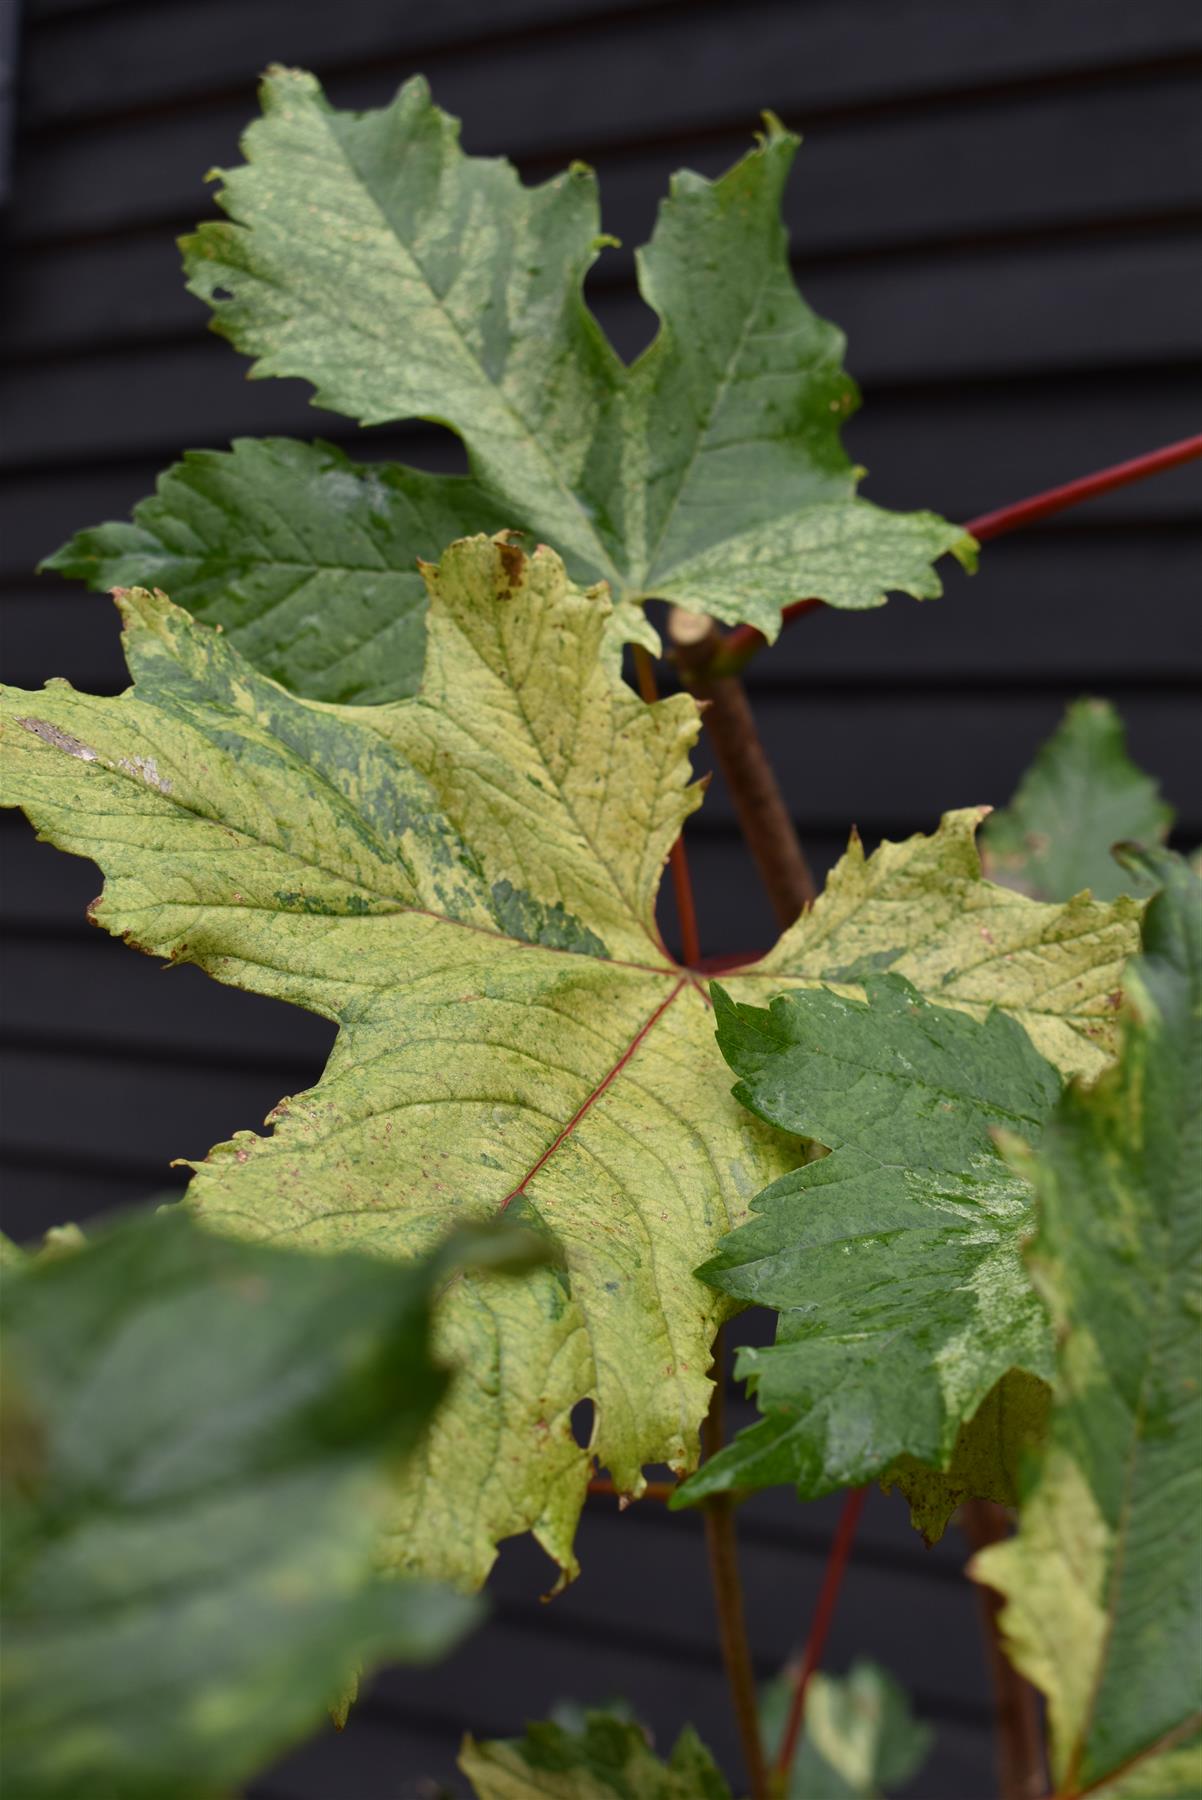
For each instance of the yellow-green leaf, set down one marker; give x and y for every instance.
(605, 1758)
(465, 881)
(922, 909)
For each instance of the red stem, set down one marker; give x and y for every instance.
(744, 641)
(1103, 481)
(682, 887)
(678, 862)
(824, 1612)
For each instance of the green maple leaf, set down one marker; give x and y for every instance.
(199, 1438)
(466, 882)
(894, 1262)
(1080, 797)
(1103, 1582)
(607, 1758)
(860, 1736)
(366, 254)
(306, 560)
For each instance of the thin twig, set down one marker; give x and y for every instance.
(1088, 487)
(824, 1612)
(678, 862)
(1018, 1729)
(740, 645)
(722, 1545)
(763, 815)
(654, 1490)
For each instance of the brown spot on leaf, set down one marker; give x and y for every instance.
(59, 740)
(513, 561)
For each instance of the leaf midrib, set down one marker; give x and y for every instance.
(533, 442)
(397, 907)
(648, 570)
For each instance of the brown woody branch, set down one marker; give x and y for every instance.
(763, 816)
(1018, 1727)
(722, 1545)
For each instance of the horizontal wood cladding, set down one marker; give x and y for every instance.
(136, 1112)
(91, 987)
(561, 61)
(973, 167)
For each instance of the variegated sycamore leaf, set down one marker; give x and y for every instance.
(1103, 1583)
(607, 1757)
(465, 881)
(366, 254)
(860, 1737)
(308, 561)
(921, 909)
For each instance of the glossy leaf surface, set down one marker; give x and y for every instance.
(894, 1261)
(306, 560)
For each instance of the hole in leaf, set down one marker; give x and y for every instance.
(222, 293)
(584, 1417)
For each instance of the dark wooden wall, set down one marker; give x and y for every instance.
(998, 199)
